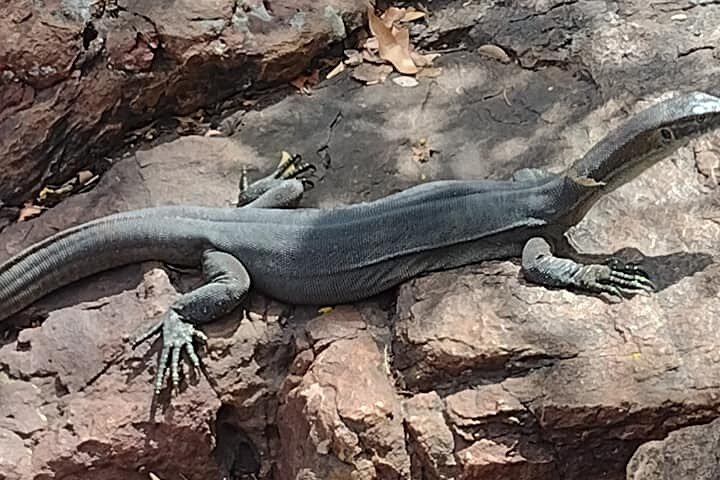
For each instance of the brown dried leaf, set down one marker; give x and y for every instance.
(392, 15)
(304, 83)
(371, 43)
(493, 51)
(393, 44)
(371, 57)
(429, 72)
(354, 58)
(84, 176)
(411, 15)
(371, 74)
(28, 211)
(423, 60)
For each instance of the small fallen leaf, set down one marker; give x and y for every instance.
(84, 176)
(423, 60)
(371, 74)
(339, 68)
(371, 43)
(405, 82)
(393, 44)
(371, 57)
(493, 51)
(324, 310)
(429, 72)
(392, 15)
(28, 211)
(354, 58)
(411, 15)
(304, 83)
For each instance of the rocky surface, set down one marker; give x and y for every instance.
(75, 77)
(471, 373)
(689, 452)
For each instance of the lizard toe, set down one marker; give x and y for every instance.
(178, 335)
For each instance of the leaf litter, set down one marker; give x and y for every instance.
(387, 50)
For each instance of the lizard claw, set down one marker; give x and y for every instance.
(177, 335)
(616, 278)
(294, 167)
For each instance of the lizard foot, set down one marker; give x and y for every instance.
(177, 335)
(616, 278)
(292, 166)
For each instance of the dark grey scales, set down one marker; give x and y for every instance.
(343, 254)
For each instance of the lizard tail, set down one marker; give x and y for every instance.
(91, 248)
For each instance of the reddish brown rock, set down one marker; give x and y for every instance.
(91, 415)
(430, 440)
(689, 452)
(343, 420)
(498, 378)
(75, 78)
(15, 456)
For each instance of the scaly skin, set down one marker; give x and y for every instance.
(343, 254)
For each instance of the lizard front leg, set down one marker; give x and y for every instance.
(227, 283)
(542, 267)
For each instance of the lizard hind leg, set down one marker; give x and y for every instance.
(227, 283)
(282, 188)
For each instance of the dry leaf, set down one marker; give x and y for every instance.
(325, 310)
(371, 57)
(411, 15)
(393, 44)
(371, 44)
(423, 60)
(392, 15)
(493, 51)
(354, 58)
(304, 83)
(84, 176)
(339, 68)
(429, 72)
(28, 211)
(371, 74)
(405, 82)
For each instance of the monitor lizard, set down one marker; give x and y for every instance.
(322, 256)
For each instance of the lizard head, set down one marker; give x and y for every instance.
(647, 137)
(683, 118)
(641, 141)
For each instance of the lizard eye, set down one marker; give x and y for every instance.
(666, 134)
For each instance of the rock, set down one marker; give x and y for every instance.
(75, 78)
(16, 458)
(472, 373)
(343, 419)
(689, 452)
(430, 438)
(86, 410)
